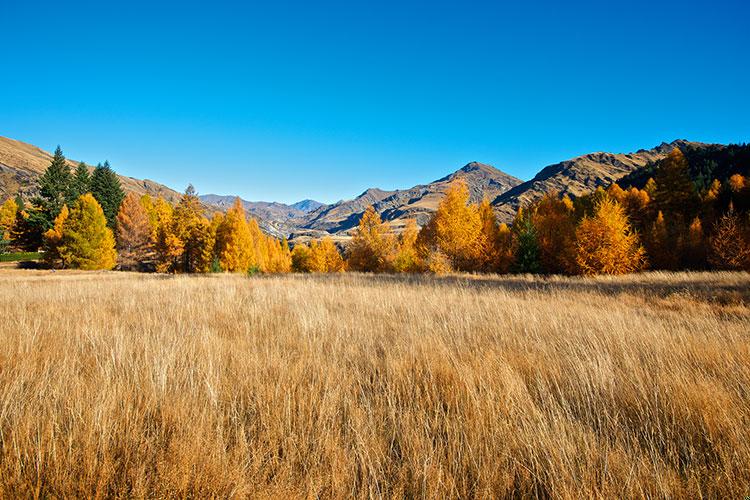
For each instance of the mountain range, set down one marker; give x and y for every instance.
(21, 164)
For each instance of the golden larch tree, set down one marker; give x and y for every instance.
(372, 249)
(554, 220)
(729, 245)
(455, 229)
(85, 241)
(234, 245)
(605, 242)
(8, 212)
(661, 251)
(407, 258)
(133, 231)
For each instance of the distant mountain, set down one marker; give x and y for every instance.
(21, 164)
(416, 203)
(580, 175)
(307, 206)
(274, 218)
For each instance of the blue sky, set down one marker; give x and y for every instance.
(289, 100)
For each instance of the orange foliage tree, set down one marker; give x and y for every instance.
(133, 232)
(729, 246)
(554, 220)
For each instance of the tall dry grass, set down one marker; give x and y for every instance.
(337, 386)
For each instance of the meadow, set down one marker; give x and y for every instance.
(330, 386)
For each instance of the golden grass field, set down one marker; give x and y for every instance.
(116, 384)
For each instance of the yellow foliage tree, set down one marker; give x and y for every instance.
(234, 245)
(82, 239)
(8, 212)
(53, 236)
(407, 258)
(455, 230)
(280, 259)
(302, 261)
(605, 242)
(554, 221)
(372, 249)
(328, 255)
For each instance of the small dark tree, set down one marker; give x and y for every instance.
(106, 188)
(527, 245)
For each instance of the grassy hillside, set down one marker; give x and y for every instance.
(21, 164)
(333, 386)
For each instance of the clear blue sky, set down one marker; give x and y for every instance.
(284, 101)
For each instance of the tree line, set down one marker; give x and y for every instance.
(84, 220)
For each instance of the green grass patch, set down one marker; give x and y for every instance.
(20, 256)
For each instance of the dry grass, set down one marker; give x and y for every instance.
(335, 386)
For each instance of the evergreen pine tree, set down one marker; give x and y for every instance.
(54, 188)
(80, 184)
(106, 188)
(675, 192)
(527, 246)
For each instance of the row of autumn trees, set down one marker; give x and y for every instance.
(667, 224)
(84, 220)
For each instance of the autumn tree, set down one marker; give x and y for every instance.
(52, 238)
(82, 240)
(234, 245)
(505, 249)
(487, 244)
(133, 233)
(729, 246)
(302, 259)
(329, 256)
(407, 258)
(280, 258)
(189, 228)
(105, 187)
(660, 245)
(318, 257)
(606, 243)
(167, 246)
(636, 204)
(554, 222)
(372, 249)
(455, 229)
(8, 211)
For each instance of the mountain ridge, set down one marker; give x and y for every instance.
(21, 164)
